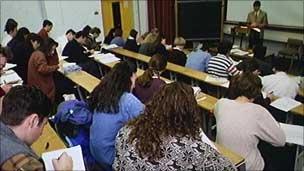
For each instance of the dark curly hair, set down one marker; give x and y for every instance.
(171, 112)
(105, 97)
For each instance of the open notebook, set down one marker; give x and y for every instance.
(74, 152)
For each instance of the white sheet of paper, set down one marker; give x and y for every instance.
(285, 104)
(217, 80)
(206, 140)
(109, 46)
(106, 58)
(294, 133)
(235, 47)
(9, 66)
(196, 90)
(62, 58)
(264, 94)
(257, 29)
(11, 77)
(74, 152)
(168, 81)
(235, 50)
(241, 53)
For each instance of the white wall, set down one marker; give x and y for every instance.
(140, 13)
(26, 13)
(64, 15)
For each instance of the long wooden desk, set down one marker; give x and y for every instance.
(197, 75)
(50, 141)
(236, 159)
(201, 76)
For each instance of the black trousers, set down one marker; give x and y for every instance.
(255, 39)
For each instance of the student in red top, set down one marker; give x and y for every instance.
(47, 27)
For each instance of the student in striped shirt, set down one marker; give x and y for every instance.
(221, 65)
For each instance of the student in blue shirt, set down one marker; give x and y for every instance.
(198, 59)
(118, 40)
(113, 105)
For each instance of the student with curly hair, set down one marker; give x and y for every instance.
(167, 136)
(150, 82)
(113, 105)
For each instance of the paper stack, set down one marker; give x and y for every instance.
(106, 58)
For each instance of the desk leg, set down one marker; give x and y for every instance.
(173, 76)
(299, 158)
(241, 41)
(289, 118)
(80, 94)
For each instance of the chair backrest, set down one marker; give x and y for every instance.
(294, 43)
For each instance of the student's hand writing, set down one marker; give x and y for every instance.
(64, 162)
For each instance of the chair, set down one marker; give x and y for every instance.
(293, 49)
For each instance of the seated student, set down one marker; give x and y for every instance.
(4, 88)
(131, 43)
(11, 29)
(177, 56)
(198, 59)
(40, 71)
(248, 123)
(64, 39)
(150, 82)
(166, 136)
(222, 65)
(47, 26)
(113, 105)
(77, 53)
(280, 83)
(91, 42)
(109, 36)
(118, 40)
(24, 115)
(160, 47)
(148, 45)
(252, 66)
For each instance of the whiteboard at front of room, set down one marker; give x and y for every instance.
(287, 13)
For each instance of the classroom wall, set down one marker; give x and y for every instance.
(126, 13)
(140, 12)
(63, 14)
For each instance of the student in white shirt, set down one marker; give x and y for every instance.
(64, 39)
(11, 30)
(280, 83)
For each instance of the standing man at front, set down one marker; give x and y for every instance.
(257, 20)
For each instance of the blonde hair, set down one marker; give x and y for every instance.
(150, 38)
(179, 41)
